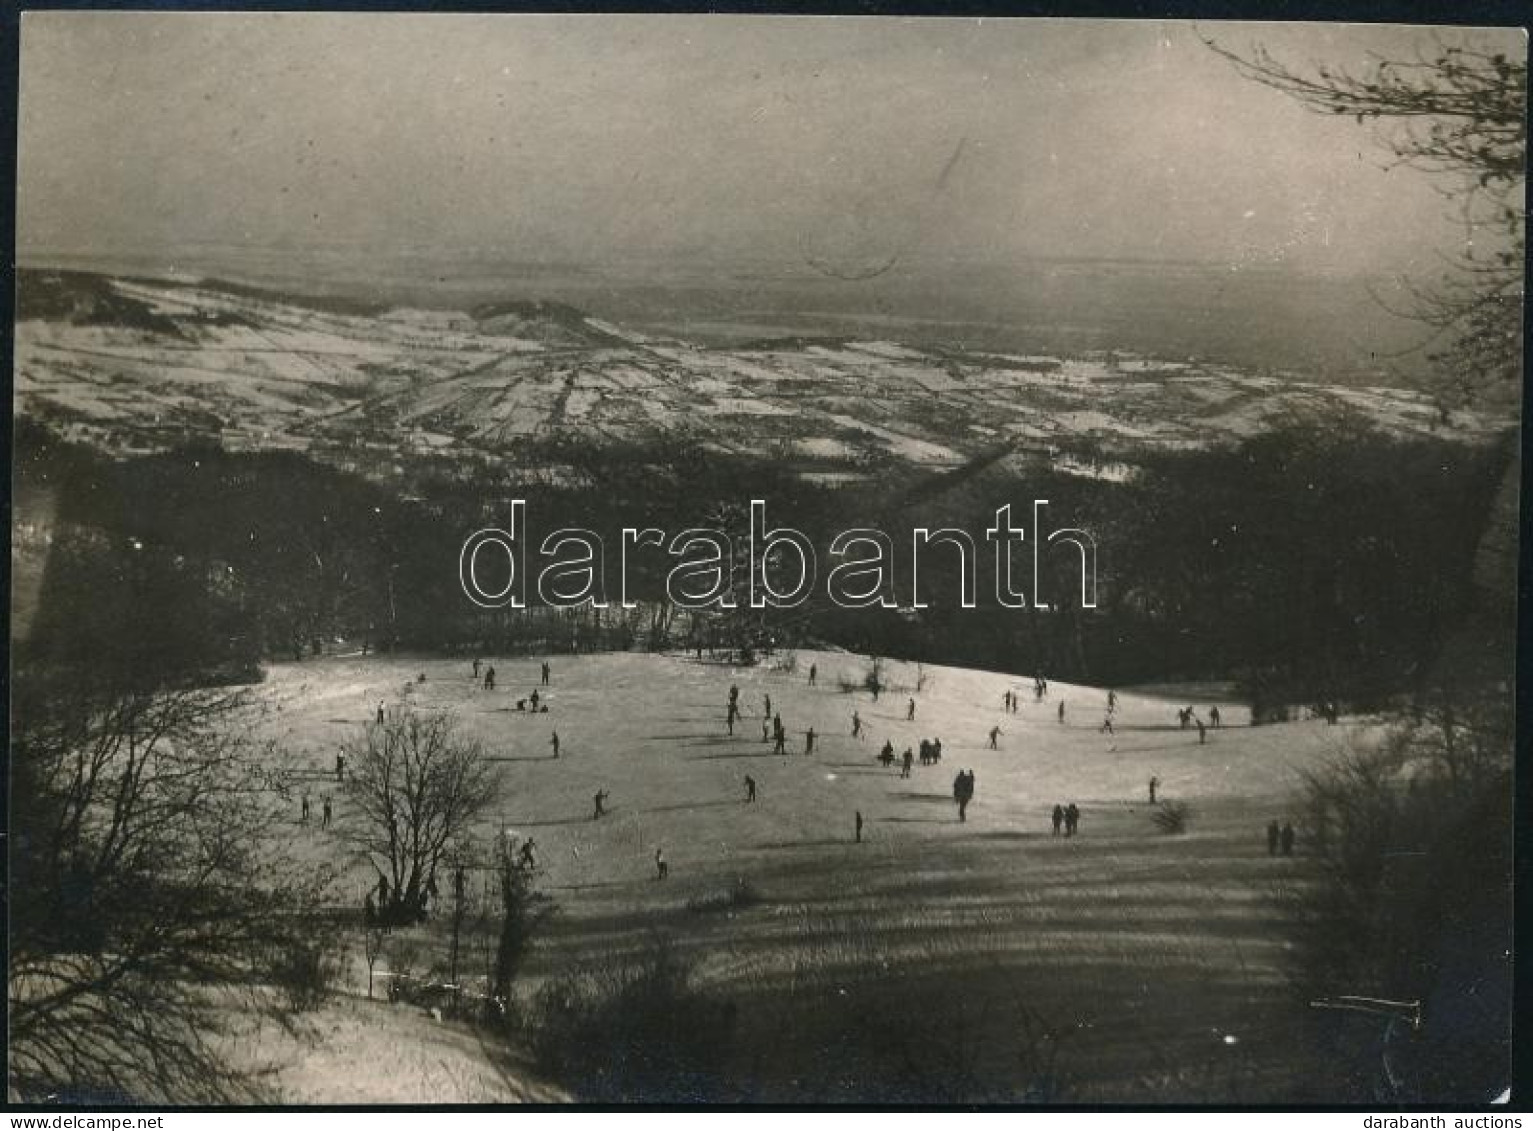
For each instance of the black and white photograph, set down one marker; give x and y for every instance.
(723, 559)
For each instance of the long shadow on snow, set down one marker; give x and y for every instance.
(687, 805)
(747, 754)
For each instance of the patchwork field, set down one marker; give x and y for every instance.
(141, 365)
(1150, 965)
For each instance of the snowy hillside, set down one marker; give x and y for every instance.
(136, 365)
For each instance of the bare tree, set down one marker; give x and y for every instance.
(1457, 112)
(740, 626)
(372, 948)
(521, 915)
(150, 884)
(874, 681)
(1407, 898)
(417, 787)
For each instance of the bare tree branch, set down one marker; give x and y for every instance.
(1457, 113)
(418, 787)
(152, 884)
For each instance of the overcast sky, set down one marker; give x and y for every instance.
(697, 141)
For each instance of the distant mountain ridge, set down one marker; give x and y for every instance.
(83, 299)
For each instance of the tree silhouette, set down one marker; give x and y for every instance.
(418, 787)
(152, 888)
(1457, 112)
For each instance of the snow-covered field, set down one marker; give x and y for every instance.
(356, 1051)
(1147, 950)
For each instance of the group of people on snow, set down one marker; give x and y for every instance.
(1067, 817)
